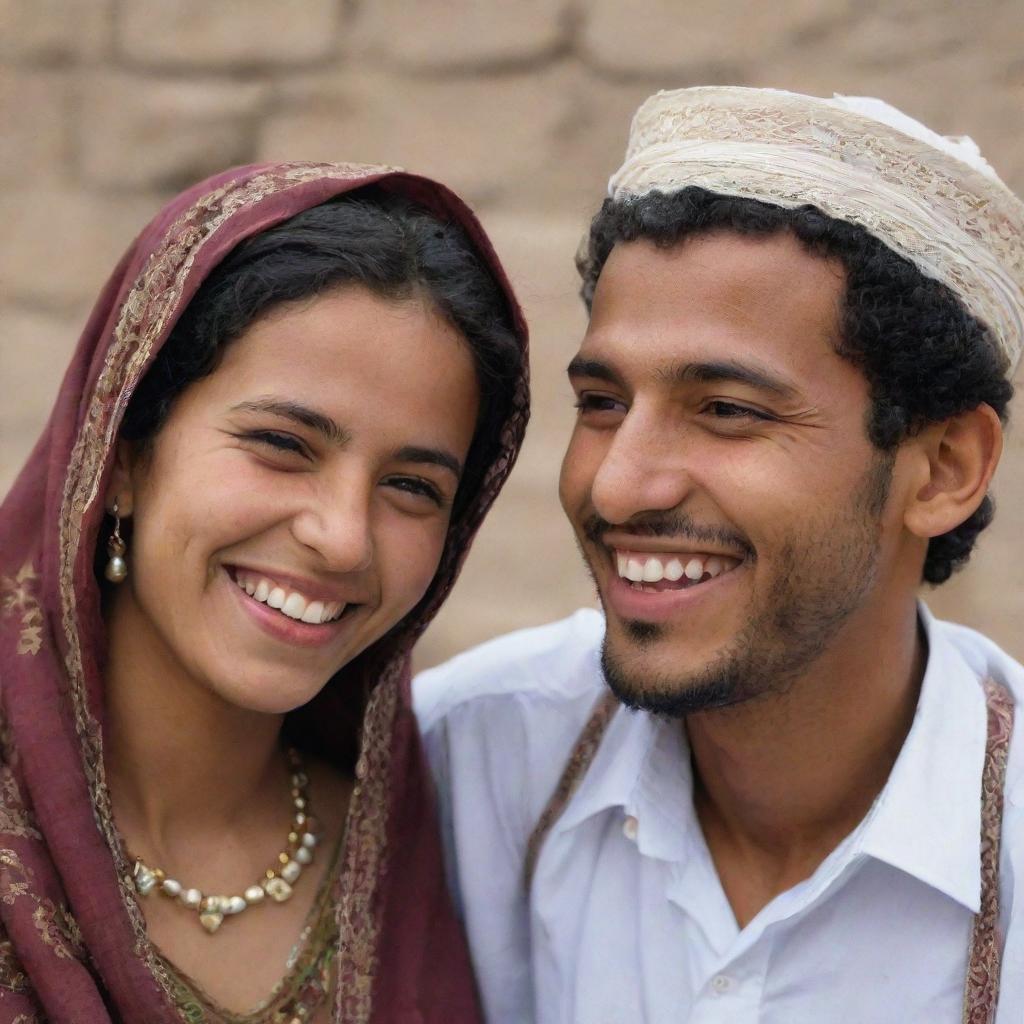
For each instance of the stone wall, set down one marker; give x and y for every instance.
(109, 107)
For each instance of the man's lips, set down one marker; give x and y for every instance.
(671, 567)
(663, 601)
(657, 585)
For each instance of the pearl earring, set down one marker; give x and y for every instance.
(117, 567)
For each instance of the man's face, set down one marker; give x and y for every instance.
(720, 481)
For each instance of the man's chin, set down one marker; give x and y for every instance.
(651, 680)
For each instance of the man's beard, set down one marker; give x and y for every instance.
(817, 585)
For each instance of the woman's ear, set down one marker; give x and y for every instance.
(121, 487)
(960, 456)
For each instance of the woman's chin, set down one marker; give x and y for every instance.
(272, 695)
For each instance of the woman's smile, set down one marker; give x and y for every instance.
(301, 613)
(287, 627)
(287, 601)
(299, 496)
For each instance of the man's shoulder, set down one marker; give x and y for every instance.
(987, 660)
(557, 663)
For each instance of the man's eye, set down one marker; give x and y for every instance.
(597, 403)
(731, 411)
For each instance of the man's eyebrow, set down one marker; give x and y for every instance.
(593, 368)
(432, 456)
(701, 373)
(727, 370)
(318, 421)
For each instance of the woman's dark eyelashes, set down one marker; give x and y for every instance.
(289, 443)
(282, 442)
(417, 485)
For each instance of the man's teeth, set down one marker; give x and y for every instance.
(654, 568)
(289, 602)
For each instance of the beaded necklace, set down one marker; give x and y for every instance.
(278, 881)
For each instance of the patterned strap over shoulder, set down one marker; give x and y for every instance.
(576, 767)
(981, 991)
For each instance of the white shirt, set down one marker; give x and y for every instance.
(627, 921)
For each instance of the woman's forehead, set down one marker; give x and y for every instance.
(356, 361)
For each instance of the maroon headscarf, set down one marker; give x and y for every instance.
(73, 946)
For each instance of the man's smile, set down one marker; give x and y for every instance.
(671, 569)
(661, 586)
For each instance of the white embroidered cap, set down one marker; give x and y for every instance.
(932, 199)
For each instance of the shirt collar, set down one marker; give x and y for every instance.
(642, 767)
(927, 819)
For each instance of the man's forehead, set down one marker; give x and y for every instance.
(724, 262)
(721, 296)
(934, 201)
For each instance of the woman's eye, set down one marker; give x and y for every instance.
(279, 442)
(418, 487)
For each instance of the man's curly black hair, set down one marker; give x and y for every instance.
(924, 356)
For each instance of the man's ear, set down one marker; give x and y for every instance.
(958, 458)
(121, 487)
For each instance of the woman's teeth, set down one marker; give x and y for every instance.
(288, 602)
(642, 568)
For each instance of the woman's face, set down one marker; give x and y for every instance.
(314, 471)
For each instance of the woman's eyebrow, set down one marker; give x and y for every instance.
(313, 418)
(433, 456)
(337, 434)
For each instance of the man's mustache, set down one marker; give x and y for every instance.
(676, 525)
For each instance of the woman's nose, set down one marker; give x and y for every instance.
(337, 525)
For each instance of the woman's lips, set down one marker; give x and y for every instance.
(288, 600)
(282, 626)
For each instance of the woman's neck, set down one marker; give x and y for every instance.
(179, 759)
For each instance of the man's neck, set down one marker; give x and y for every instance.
(781, 780)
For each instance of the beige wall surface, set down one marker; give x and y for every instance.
(107, 108)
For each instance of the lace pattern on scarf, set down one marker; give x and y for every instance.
(144, 317)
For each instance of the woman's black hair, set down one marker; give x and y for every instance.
(924, 356)
(372, 238)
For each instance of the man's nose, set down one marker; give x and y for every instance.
(643, 470)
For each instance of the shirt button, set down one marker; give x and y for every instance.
(721, 983)
(630, 827)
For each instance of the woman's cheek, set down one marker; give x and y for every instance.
(420, 554)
